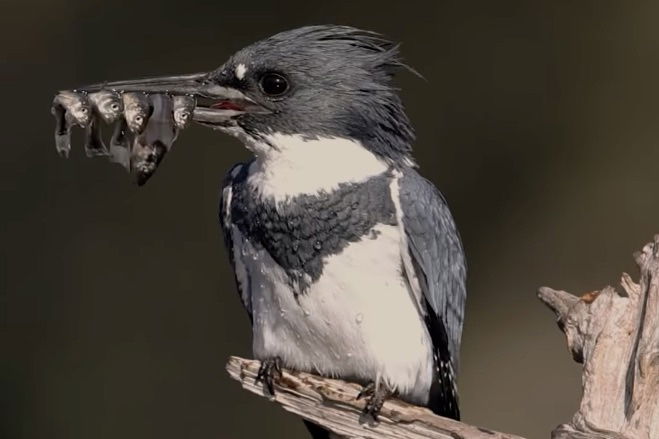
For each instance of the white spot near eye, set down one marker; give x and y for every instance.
(240, 71)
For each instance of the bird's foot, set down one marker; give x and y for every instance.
(269, 372)
(377, 394)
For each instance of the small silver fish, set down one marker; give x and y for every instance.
(150, 147)
(145, 158)
(182, 111)
(137, 110)
(77, 106)
(69, 109)
(120, 144)
(108, 104)
(94, 145)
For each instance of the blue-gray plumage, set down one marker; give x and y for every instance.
(347, 261)
(436, 253)
(435, 248)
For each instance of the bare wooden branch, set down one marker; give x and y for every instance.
(615, 335)
(333, 404)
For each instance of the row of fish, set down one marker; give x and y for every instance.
(146, 125)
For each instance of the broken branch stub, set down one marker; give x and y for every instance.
(615, 335)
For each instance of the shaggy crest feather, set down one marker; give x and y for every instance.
(341, 87)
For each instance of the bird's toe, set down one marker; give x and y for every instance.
(269, 372)
(377, 394)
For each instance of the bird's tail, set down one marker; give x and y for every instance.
(443, 397)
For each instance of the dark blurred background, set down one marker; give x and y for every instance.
(538, 120)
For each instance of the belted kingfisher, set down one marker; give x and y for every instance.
(347, 261)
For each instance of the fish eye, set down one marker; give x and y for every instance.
(114, 107)
(273, 84)
(139, 119)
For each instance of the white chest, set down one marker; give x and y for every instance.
(358, 321)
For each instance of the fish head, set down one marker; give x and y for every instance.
(77, 105)
(183, 108)
(108, 104)
(137, 110)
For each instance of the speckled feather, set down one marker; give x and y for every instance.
(300, 232)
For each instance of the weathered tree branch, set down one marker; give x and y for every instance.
(334, 405)
(615, 335)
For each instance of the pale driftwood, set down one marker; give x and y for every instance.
(616, 337)
(334, 405)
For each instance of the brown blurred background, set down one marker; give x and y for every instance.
(539, 121)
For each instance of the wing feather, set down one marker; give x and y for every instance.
(237, 173)
(437, 258)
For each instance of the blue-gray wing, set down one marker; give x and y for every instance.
(436, 254)
(236, 174)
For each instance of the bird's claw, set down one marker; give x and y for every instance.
(376, 395)
(269, 372)
(367, 390)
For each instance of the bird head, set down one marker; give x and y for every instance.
(313, 82)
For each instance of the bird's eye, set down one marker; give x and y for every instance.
(273, 84)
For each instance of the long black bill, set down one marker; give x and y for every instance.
(216, 105)
(176, 84)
